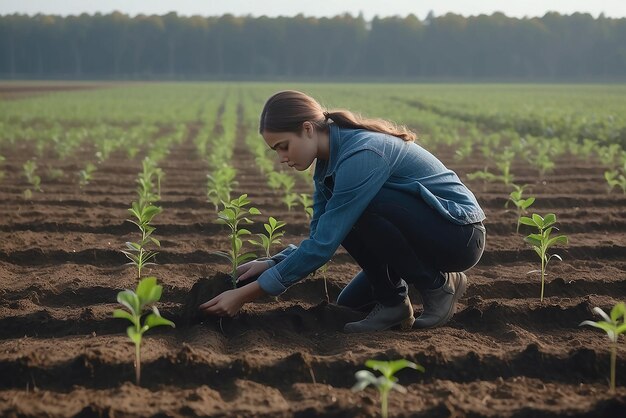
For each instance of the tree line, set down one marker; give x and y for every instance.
(118, 46)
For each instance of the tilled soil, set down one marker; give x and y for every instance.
(504, 353)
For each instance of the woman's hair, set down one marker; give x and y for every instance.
(287, 110)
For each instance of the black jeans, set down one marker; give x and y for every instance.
(399, 239)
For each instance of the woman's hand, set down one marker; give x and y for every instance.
(251, 269)
(229, 302)
(224, 304)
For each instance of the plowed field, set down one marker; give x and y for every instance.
(503, 354)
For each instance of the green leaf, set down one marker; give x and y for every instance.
(533, 241)
(528, 202)
(561, 239)
(618, 311)
(134, 335)
(527, 221)
(120, 313)
(538, 220)
(243, 231)
(364, 379)
(149, 291)
(245, 257)
(254, 211)
(549, 219)
(133, 246)
(129, 299)
(155, 241)
(155, 319)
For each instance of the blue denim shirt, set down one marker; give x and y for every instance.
(361, 162)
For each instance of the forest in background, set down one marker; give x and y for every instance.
(554, 47)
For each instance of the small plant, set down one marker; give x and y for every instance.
(233, 214)
(613, 328)
(272, 237)
(220, 184)
(541, 242)
(137, 252)
(147, 293)
(86, 175)
(147, 191)
(615, 179)
(30, 168)
(322, 270)
(383, 383)
(307, 204)
(520, 203)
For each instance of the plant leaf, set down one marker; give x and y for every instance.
(120, 313)
(134, 335)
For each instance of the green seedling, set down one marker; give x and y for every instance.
(220, 185)
(383, 383)
(30, 168)
(541, 242)
(272, 237)
(86, 175)
(307, 204)
(615, 179)
(147, 293)
(521, 204)
(147, 192)
(464, 151)
(322, 270)
(234, 213)
(613, 328)
(137, 252)
(483, 175)
(291, 200)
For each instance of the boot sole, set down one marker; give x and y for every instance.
(404, 325)
(458, 293)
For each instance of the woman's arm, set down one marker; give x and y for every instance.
(231, 301)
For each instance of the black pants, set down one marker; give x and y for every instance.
(399, 239)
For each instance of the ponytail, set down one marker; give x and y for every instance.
(346, 119)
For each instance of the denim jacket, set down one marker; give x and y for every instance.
(360, 163)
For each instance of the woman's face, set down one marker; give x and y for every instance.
(297, 151)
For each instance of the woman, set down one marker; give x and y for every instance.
(395, 208)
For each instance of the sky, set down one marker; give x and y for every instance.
(317, 8)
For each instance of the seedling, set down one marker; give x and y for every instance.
(541, 242)
(613, 328)
(137, 252)
(322, 270)
(520, 203)
(30, 167)
(147, 293)
(86, 175)
(383, 383)
(307, 204)
(272, 237)
(220, 184)
(233, 214)
(615, 179)
(146, 190)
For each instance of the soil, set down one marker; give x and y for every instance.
(504, 353)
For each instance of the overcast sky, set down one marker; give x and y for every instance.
(370, 8)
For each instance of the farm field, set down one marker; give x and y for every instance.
(505, 353)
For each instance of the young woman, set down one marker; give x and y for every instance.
(396, 209)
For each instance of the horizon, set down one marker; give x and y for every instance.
(319, 9)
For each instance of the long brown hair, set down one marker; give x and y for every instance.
(287, 110)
